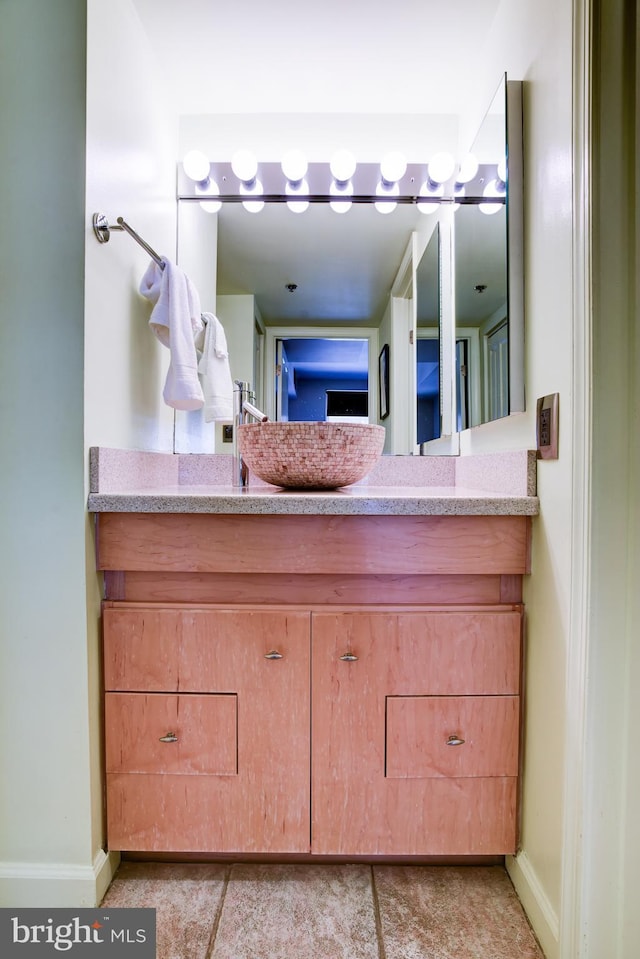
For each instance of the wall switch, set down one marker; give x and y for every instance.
(547, 427)
(227, 433)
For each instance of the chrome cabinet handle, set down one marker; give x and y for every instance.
(455, 741)
(169, 738)
(273, 654)
(349, 658)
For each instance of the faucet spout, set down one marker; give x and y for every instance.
(242, 408)
(252, 410)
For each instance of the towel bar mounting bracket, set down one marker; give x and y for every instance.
(101, 227)
(102, 231)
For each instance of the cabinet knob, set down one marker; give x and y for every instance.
(349, 658)
(273, 654)
(455, 741)
(169, 738)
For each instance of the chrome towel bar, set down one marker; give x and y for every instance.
(102, 230)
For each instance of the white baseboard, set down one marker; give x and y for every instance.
(51, 885)
(541, 915)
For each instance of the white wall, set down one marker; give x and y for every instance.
(533, 42)
(131, 149)
(237, 315)
(198, 256)
(131, 141)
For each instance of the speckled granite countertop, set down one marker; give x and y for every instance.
(500, 484)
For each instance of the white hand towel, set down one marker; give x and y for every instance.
(176, 321)
(216, 373)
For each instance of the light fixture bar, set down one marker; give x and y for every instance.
(355, 198)
(318, 181)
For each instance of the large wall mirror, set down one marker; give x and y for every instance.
(489, 270)
(320, 286)
(454, 330)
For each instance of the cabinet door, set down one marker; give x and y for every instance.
(394, 694)
(236, 776)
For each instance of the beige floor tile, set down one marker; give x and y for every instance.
(297, 912)
(445, 912)
(187, 900)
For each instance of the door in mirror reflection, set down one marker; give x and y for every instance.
(322, 379)
(428, 371)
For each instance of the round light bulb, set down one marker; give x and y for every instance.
(294, 165)
(502, 170)
(244, 165)
(393, 167)
(441, 167)
(196, 166)
(383, 189)
(291, 189)
(341, 190)
(210, 189)
(493, 189)
(430, 193)
(342, 166)
(467, 169)
(252, 189)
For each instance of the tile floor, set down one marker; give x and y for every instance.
(244, 911)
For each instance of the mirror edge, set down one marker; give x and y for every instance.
(515, 243)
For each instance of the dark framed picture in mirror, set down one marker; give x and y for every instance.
(383, 381)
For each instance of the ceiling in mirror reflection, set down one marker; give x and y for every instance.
(481, 267)
(343, 265)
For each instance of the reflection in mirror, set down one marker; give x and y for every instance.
(427, 295)
(319, 276)
(481, 315)
(322, 379)
(488, 270)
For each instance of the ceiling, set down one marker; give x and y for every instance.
(350, 56)
(364, 56)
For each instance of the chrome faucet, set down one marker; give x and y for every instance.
(243, 407)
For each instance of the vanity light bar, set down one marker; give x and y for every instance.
(365, 183)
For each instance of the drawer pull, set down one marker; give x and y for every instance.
(455, 741)
(349, 658)
(169, 738)
(273, 654)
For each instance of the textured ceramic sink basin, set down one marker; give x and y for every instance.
(310, 455)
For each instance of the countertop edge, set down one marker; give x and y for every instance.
(410, 502)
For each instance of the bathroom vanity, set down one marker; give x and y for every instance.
(339, 677)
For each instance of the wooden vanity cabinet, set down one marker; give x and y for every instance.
(207, 729)
(299, 696)
(416, 726)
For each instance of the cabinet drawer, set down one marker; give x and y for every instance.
(193, 650)
(188, 734)
(472, 652)
(452, 736)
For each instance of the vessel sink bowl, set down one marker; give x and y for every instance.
(310, 455)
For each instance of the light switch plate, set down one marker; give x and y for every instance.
(547, 426)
